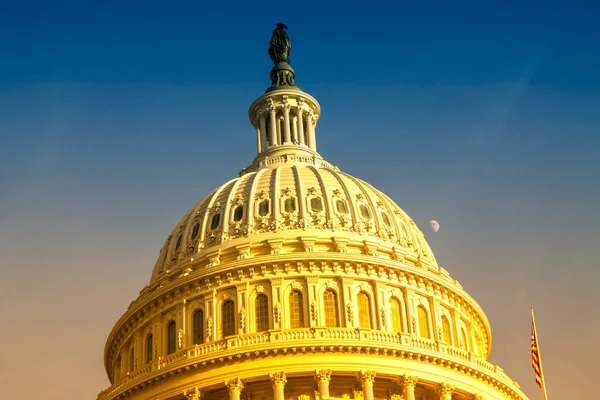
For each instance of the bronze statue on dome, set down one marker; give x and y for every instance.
(280, 45)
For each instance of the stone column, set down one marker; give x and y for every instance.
(259, 148)
(311, 131)
(263, 132)
(286, 123)
(272, 126)
(278, 380)
(409, 383)
(300, 123)
(445, 390)
(367, 378)
(295, 130)
(323, 377)
(234, 387)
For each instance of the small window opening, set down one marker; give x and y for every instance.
(386, 219)
(195, 231)
(238, 213)
(178, 244)
(340, 206)
(364, 211)
(216, 220)
(263, 208)
(289, 205)
(316, 204)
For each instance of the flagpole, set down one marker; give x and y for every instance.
(539, 354)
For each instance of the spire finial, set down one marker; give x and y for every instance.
(282, 74)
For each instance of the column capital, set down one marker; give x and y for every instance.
(323, 375)
(234, 384)
(366, 376)
(193, 394)
(278, 378)
(477, 396)
(409, 381)
(445, 389)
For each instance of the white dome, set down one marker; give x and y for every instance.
(309, 201)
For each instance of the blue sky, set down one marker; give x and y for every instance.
(117, 117)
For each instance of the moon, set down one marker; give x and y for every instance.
(434, 225)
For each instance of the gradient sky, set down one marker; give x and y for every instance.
(117, 117)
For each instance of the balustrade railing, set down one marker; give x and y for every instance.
(305, 337)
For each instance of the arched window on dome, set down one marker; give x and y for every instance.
(149, 347)
(195, 231)
(215, 222)
(117, 368)
(178, 244)
(131, 359)
(238, 213)
(330, 304)
(198, 326)
(364, 310)
(446, 330)
(228, 318)
(423, 322)
(296, 310)
(396, 314)
(171, 337)
(261, 312)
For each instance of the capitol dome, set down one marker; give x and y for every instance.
(298, 281)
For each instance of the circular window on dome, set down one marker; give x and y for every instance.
(216, 220)
(386, 219)
(195, 231)
(316, 204)
(238, 213)
(263, 208)
(340, 206)
(364, 211)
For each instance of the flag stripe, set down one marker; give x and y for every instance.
(535, 363)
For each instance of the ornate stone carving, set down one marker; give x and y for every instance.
(275, 247)
(331, 284)
(278, 378)
(287, 192)
(445, 389)
(234, 384)
(323, 375)
(340, 246)
(209, 328)
(314, 311)
(477, 396)
(370, 249)
(383, 315)
(193, 394)
(242, 315)
(296, 285)
(350, 312)
(214, 259)
(277, 313)
(180, 335)
(413, 321)
(366, 376)
(409, 381)
(312, 191)
(357, 393)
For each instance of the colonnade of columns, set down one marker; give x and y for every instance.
(274, 128)
(323, 378)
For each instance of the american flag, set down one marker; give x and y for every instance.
(535, 358)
